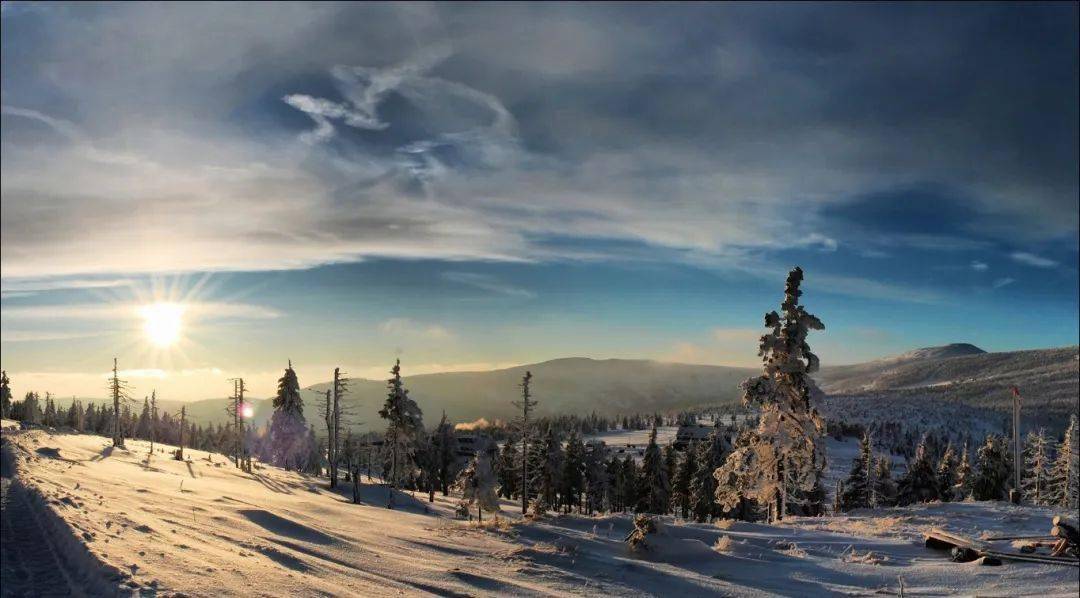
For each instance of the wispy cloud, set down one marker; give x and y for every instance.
(1030, 259)
(413, 328)
(979, 266)
(1003, 282)
(486, 282)
(109, 311)
(28, 336)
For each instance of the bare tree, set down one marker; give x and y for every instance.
(526, 405)
(119, 390)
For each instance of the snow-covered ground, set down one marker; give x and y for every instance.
(201, 527)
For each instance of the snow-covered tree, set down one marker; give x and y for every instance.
(703, 486)
(627, 483)
(655, 491)
(919, 483)
(964, 476)
(884, 487)
(685, 472)
(995, 467)
(288, 447)
(1065, 474)
(786, 451)
(597, 479)
(477, 485)
(506, 470)
(404, 424)
(31, 410)
(546, 474)
(446, 458)
(1036, 467)
(860, 485)
(946, 474)
(572, 479)
(5, 395)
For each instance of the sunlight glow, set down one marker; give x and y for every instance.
(162, 323)
(247, 411)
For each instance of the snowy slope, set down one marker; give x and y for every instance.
(202, 528)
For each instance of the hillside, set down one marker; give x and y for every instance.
(571, 385)
(963, 376)
(81, 516)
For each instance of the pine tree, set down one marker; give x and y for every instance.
(1065, 474)
(946, 474)
(655, 491)
(142, 426)
(1036, 468)
(405, 421)
(507, 471)
(628, 483)
(572, 482)
(5, 395)
(477, 485)
(524, 425)
(919, 483)
(884, 487)
(995, 468)
(547, 475)
(597, 478)
(288, 428)
(446, 454)
(964, 477)
(685, 472)
(860, 485)
(787, 451)
(31, 409)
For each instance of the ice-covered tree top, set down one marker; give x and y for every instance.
(786, 355)
(288, 394)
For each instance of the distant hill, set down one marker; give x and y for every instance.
(963, 374)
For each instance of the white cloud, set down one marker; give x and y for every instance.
(110, 311)
(411, 328)
(1031, 259)
(979, 266)
(488, 283)
(1003, 282)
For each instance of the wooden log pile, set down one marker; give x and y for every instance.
(1063, 542)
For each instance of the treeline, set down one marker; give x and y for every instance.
(1050, 474)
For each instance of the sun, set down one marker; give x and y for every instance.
(162, 323)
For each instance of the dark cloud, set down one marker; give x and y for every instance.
(483, 131)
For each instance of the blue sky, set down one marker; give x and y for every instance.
(476, 185)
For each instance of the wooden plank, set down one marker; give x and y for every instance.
(1034, 558)
(937, 538)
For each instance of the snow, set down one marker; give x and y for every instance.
(204, 528)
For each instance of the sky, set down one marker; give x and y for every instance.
(474, 186)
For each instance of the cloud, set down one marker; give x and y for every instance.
(112, 311)
(1003, 282)
(489, 283)
(979, 266)
(408, 327)
(27, 336)
(1030, 259)
(492, 130)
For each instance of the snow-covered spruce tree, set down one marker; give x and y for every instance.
(1065, 474)
(655, 491)
(1036, 468)
(946, 474)
(597, 479)
(449, 462)
(506, 470)
(31, 411)
(884, 487)
(405, 422)
(572, 478)
(685, 472)
(5, 395)
(671, 462)
(919, 483)
(477, 485)
(964, 477)
(288, 429)
(859, 486)
(628, 483)
(549, 466)
(787, 451)
(995, 468)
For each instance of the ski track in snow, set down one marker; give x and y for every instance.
(203, 528)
